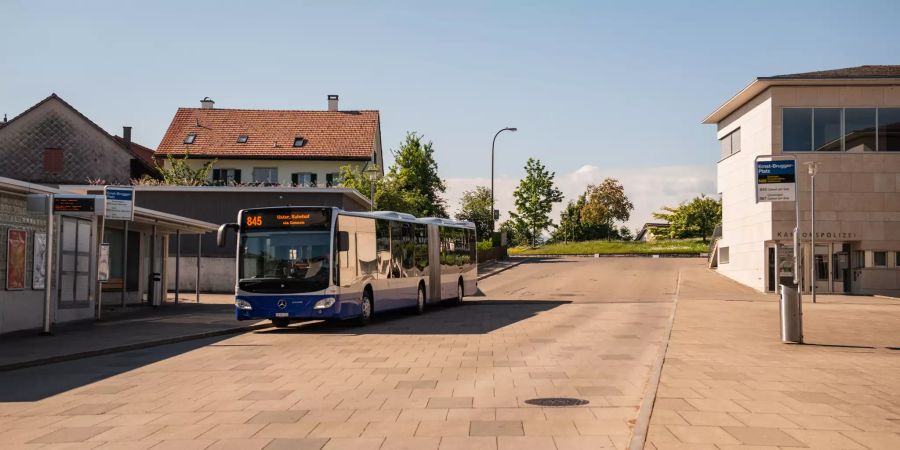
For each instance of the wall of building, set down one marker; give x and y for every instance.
(19, 309)
(87, 152)
(285, 167)
(857, 194)
(746, 225)
(216, 274)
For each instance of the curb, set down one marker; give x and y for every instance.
(129, 347)
(642, 425)
(612, 255)
(503, 269)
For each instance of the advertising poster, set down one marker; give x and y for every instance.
(15, 259)
(103, 263)
(39, 262)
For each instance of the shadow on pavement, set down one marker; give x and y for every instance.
(471, 317)
(37, 383)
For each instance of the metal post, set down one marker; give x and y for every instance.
(493, 143)
(124, 262)
(99, 283)
(371, 195)
(151, 289)
(812, 237)
(48, 269)
(797, 278)
(177, 263)
(199, 247)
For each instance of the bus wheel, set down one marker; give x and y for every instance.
(281, 322)
(420, 300)
(365, 309)
(459, 292)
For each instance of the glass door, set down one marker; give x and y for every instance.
(821, 268)
(841, 260)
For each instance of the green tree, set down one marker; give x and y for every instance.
(413, 180)
(696, 218)
(517, 232)
(605, 204)
(534, 199)
(177, 172)
(475, 206)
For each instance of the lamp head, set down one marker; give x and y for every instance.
(813, 168)
(512, 128)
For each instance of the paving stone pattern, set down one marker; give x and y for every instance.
(455, 378)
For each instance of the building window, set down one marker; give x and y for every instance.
(265, 175)
(730, 144)
(879, 259)
(796, 129)
(189, 139)
(889, 130)
(827, 129)
(304, 179)
(332, 179)
(853, 130)
(723, 255)
(242, 139)
(53, 160)
(299, 141)
(896, 259)
(225, 177)
(859, 130)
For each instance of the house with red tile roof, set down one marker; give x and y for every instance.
(274, 147)
(53, 143)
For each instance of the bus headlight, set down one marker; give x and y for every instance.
(243, 305)
(325, 303)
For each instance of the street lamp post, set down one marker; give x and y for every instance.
(492, 172)
(372, 173)
(813, 169)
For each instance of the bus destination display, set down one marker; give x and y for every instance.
(296, 218)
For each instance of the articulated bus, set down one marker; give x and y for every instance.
(325, 263)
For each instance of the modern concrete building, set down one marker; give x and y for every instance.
(274, 147)
(847, 121)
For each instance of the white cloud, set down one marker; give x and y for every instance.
(649, 188)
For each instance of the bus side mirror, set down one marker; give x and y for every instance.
(343, 239)
(223, 231)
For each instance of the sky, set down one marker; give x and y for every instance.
(596, 89)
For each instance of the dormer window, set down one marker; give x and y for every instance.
(299, 141)
(242, 139)
(189, 139)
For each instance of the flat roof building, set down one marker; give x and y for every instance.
(847, 121)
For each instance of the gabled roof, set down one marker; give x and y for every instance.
(143, 153)
(330, 135)
(136, 150)
(860, 75)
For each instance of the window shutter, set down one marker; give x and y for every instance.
(237, 176)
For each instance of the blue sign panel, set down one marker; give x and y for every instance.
(776, 181)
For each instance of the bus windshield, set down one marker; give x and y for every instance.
(282, 262)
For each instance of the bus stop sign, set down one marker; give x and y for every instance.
(776, 181)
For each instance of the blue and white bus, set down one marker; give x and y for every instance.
(325, 263)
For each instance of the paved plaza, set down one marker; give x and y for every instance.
(460, 376)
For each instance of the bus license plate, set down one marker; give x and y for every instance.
(281, 314)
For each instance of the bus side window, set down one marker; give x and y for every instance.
(383, 248)
(396, 249)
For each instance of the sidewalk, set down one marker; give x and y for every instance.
(729, 383)
(124, 329)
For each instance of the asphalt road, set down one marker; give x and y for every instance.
(457, 377)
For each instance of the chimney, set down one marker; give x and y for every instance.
(207, 103)
(333, 102)
(126, 136)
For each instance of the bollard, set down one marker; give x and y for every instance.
(791, 316)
